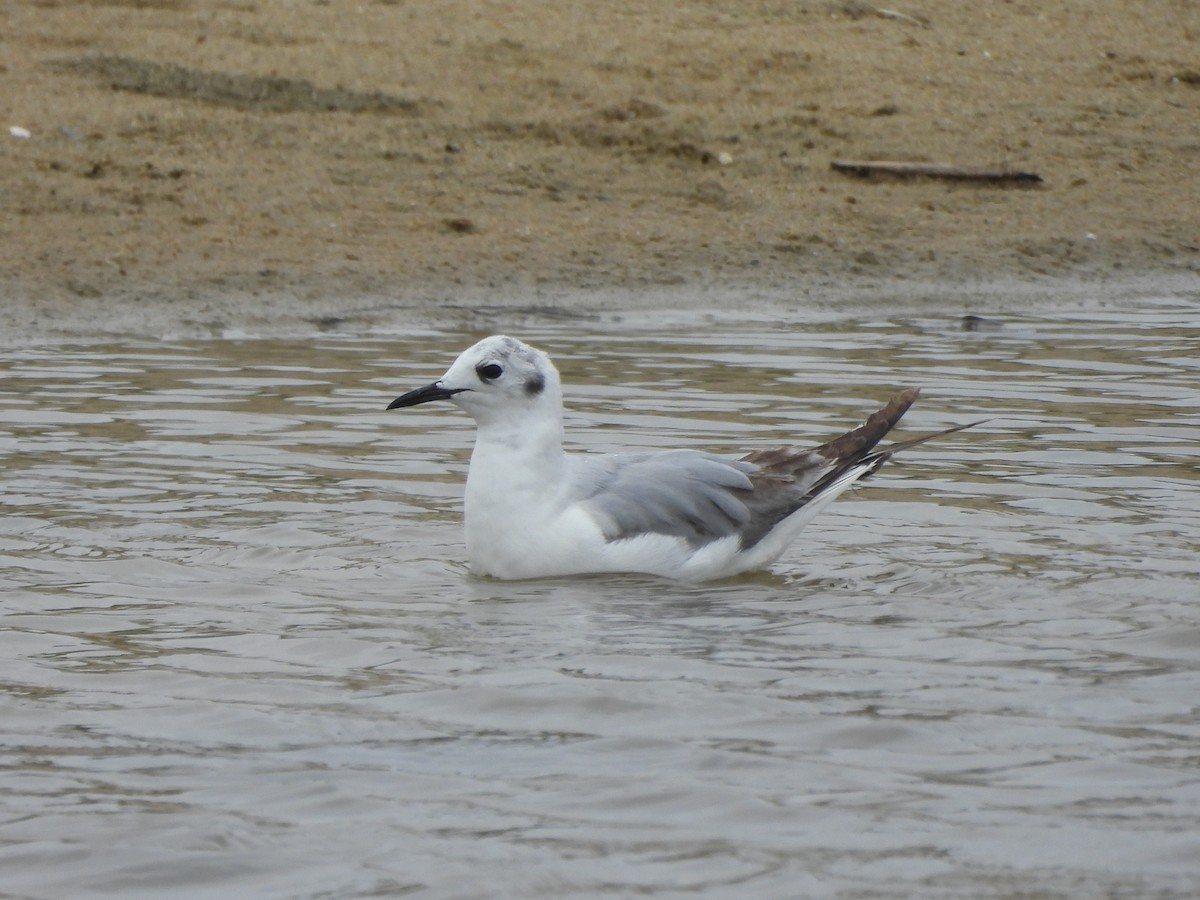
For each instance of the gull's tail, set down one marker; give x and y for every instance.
(789, 479)
(852, 448)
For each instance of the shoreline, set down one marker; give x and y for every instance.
(310, 312)
(167, 165)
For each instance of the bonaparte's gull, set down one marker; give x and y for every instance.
(534, 510)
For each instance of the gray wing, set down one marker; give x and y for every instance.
(699, 497)
(702, 497)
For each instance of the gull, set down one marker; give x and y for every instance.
(534, 510)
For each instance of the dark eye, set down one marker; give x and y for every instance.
(490, 372)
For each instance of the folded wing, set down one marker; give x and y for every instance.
(701, 497)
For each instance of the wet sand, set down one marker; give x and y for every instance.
(261, 162)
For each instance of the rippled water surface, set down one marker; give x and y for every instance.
(242, 655)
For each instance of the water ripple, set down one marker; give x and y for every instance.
(243, 654)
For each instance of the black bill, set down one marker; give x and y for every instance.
(424, 395)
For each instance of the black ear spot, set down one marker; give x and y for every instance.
(535, 385)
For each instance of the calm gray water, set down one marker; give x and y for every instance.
(242, 655)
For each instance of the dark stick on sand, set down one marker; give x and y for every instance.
(865, 169)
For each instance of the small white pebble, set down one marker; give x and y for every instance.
(1088, 236)
(724, 158)
(18, 132)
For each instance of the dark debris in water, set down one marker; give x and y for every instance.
(240, 91)
(979, 323)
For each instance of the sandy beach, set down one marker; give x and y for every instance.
(174, 161)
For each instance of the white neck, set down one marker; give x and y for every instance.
(515, 461)
(517, 470)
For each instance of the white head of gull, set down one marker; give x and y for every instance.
(534, 510)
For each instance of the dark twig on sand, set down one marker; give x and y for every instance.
(934, 170)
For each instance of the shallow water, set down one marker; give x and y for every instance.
(243, 657)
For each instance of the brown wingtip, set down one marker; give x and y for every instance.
(853, 446)
(887, 451)
(856, 443)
